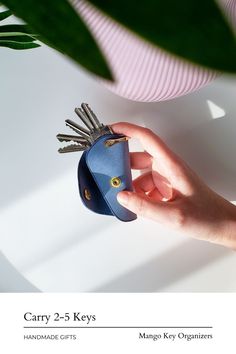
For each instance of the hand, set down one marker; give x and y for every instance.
(172, 194)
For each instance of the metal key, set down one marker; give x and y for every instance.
(79, 130)
(77, 139)
(99, 128)
(80, 113)
(72, 148)
(86, 136)
(92, 117)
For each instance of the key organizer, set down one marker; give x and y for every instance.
(104, 167)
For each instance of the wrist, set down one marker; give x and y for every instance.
(226, 231)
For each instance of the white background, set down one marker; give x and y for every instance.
(45, 231)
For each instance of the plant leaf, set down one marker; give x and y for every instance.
(22, 29)
(5, 14)
(18, 45)
(61, 27)
(195, 30)
(17, 38)
(5, 34)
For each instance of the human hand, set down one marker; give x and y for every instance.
(172, 194)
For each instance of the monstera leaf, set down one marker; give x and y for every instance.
(193, 29)
(60, 27)
(15, 36)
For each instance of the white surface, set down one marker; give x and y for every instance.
(44, 229)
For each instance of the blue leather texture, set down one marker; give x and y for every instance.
(97, 166)
(86, 181)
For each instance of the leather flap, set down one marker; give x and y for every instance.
(105, 164)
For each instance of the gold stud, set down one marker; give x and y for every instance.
(115, 182)
(87, 194)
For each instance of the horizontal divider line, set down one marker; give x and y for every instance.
(117, 327)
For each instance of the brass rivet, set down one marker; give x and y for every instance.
(87, 194)
(115, 182)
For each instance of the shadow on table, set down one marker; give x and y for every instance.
(11, 281)
(171, 266)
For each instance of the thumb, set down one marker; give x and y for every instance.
(143, 206)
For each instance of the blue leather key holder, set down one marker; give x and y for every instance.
(104, 167)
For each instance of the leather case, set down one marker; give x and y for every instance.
(104, 167)
(103, 171)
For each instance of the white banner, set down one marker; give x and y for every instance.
(117, 323)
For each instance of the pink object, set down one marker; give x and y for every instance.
(144, 72)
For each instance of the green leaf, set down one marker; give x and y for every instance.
(22, 29)
(5, 14)
(195, 30)
(16, 33)
(18, 45)
(6, 34)
(16, 38)
(61, 27)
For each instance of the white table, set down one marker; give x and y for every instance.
(47, 234)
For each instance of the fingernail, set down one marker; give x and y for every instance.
(123, 197)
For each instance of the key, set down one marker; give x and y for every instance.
(86, 136)
(79, 130)
(103, 131)
(99, 128)
(89, 118)
(72, 148)
(84, 118)
(92, 116)
(78, 139)
(81, 143)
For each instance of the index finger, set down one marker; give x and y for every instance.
(149, 140)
